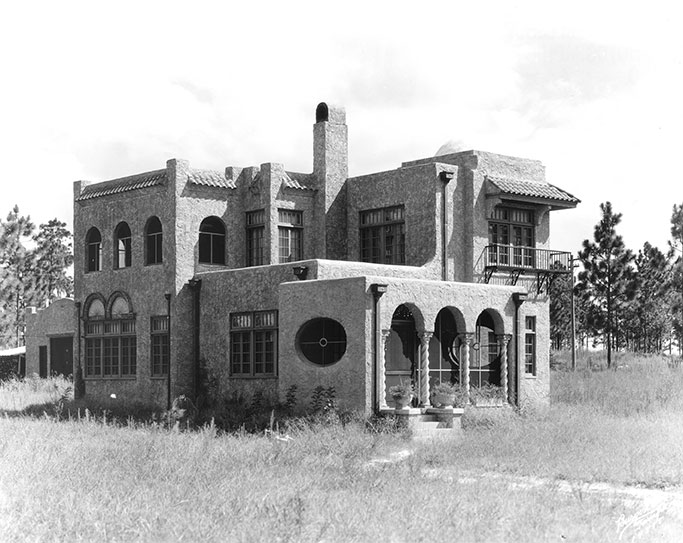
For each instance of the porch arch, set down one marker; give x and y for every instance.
(486, 356)
(401, 349)
(445, 347)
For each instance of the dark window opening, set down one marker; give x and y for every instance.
(122, 243)
(255, 237)
(322, 341)
(212, 241)
(253, 344)
(153, 241)
(93, 242)
(382, 236)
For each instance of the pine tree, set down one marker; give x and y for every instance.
(608, 281)
(676, 246)
(16, 270)
(53, 256)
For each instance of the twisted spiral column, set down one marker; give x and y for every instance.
(382, 378)
(425, 338)
(468, 337)
(503, 342)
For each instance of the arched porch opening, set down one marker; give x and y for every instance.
(401, 350)
(485, 360)
(445, 348)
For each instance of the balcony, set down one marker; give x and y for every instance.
(546, 264)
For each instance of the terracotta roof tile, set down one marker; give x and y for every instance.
(124, 184)
(532, 189)
(300, 181)
(211, 178)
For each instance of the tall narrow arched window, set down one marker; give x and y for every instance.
(122, 246)
(212, 241)
(93, 250)
(153, 242)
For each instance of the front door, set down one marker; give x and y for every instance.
(61, 356)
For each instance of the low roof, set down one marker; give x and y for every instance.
(124, 184)
(13, 352)
(533, 189)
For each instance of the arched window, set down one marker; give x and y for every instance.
(110, 340)
(122, 238)
(212, 241)
(153, 242)
(485, 364)
(93, 249)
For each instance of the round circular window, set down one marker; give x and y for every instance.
(322, 341)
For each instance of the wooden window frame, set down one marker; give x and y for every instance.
(249, 332)
(382, 235)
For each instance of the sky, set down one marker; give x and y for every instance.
(94, 91)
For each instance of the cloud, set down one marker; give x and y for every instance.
(559, 73)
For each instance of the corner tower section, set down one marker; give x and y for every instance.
(330, 168)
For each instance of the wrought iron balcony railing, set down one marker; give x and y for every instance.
(545, 263)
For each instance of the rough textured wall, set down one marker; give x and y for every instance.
(145, 285)
(348, 302)
(56, 320)
(419, 190)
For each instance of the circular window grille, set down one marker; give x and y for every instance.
(322, 341)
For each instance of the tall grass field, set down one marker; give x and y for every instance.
(603, 463)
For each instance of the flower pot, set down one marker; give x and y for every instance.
(402, 402)
(443, 400)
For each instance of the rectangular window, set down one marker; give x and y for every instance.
(110, 348)
(511, 237)
(382, 235)
(530, 345)
(160, 346)
(290, 235)
(253, 344)
(256, 229)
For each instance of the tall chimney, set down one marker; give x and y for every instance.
(330, 167)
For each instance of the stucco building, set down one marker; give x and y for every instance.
(267, 278)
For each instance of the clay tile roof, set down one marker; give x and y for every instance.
(124, 184)
(211, 178)
(300, 181)
(534, 189)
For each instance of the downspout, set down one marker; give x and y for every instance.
(79, 382)
(168, 378)
(445, 179)
(195, 286)
(377, 291)
(519, 298)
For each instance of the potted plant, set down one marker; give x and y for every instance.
(487, 396)
(448, 395)
(402, 394)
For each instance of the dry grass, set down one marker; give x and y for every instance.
(88, 481)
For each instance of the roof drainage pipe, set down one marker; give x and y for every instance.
(445, 178)
(377, 291)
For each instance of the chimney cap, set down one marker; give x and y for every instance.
(330, 113)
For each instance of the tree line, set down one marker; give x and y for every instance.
(33, 270)
(623, 300)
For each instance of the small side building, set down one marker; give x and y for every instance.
(50, 339)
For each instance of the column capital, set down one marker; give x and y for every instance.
(504, 339)
(386, 332)
(467, 337)
(426, 336)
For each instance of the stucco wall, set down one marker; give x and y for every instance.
(56, 320)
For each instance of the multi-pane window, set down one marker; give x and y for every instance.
(253, 344)
(212, 241)
(122, 244)
(93, 243)
(160, 346)
(110, 348)
(382, 235)
(290, 235)
(153, 242)
(511, 237)
(256, 228)
(530, 345)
